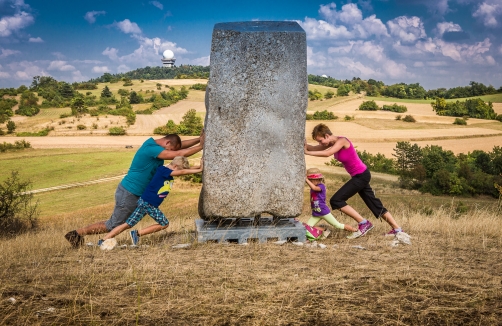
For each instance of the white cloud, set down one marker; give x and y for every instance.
(111, 53)
(4, 75)
(316, 59)
(488, 11)
(500, 49)
(100, 69)
(157, 4)
(123, 68)
(359, 69)
(456, 51)
(443, 27)
(36, 40)
(58, 55)
(7, 52)
(77, 76)
(25, 70)
(90, 16)
(95, 62)
(418, 64)
(60, 65)
(202, 61)
(10, 24)
(407, 29)
(128, 27)
(490, 61)
(348, 23)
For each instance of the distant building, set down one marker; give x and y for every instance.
(168, 59)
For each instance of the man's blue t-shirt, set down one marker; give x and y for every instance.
(159, 187)
(143, 167)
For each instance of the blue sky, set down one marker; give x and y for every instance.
(438, 43)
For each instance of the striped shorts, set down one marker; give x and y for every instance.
(144, 208)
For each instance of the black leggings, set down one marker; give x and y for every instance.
(358, 184)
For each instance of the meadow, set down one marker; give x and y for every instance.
(450, 275)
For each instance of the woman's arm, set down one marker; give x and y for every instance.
(312, 186)
(338, 145)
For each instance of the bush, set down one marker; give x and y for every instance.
(329, 95)
(409, 118)
(40, 133)
(81, 127)
(395, 108)
(368, 106)
(499, 117)
(18, 144)
(116, 131)
(315, 95)
(460, 121)
(11, 126)
(398, 117)
(17, 212)
(348, 118)
(324, 115)
(199, 87)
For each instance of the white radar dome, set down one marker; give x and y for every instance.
(168, 54)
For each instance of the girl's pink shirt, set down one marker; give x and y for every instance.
(350, 160)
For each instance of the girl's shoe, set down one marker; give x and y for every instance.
(355, 235)
(392, 233)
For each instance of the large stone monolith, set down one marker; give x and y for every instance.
(256, 100)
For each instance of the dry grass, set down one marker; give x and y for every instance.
(450, 275)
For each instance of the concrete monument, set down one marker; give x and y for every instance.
(256, 100)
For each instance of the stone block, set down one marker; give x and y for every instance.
(256, 102)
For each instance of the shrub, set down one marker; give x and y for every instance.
(17, 212)
(64, 115)
(94, 126)
(116, 131)
(395, 108)
(368, 106)
(309, 117)
(398, 117)
(18, 144)
(315, 95)
(348, 118)
(324, 115)
(499, 117)
(409, 118)
(11, 126)
(199, 87)
(40, 133)
(329, 94)
(460, 121)
(81, 127)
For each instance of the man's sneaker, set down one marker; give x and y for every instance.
(354, 235)
(100, 242)
(134, 237)
(392, 233)
(365, 228)
(75, 239)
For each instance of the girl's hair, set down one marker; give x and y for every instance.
(320, 130)
(314, 171)
(181, 162)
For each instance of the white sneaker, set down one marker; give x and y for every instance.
(403, 237)
(325, 234)
(355, 235)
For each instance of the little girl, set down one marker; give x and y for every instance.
(320, 210)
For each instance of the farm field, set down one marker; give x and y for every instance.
(451, 274)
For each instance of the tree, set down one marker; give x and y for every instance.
(134, 98)
(343, 90)
(106, 93)
(66, 90)
(368, 106)
(78, 106)
(191, 124)
(17, 212)
(329, 94)
(11, 126)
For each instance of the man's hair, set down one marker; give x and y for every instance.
(174, 139)
(181, 162)
(321, 130)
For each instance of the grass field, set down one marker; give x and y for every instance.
(450, 275)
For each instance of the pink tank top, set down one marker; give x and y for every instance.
(350, 160)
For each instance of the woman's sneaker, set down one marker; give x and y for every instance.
(365, 228)
(354, 235)
(392, 233)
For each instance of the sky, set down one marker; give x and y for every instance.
(437, 43)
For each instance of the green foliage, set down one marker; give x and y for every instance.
(402, 90)
(199, 87)
(321, 115)
(6, 105)
(149, 73)
(106, 93)
(395, 108)
(329, 94)
(472, 108)
(409, 118)
(348, 118)
(169, 128)
(134, 98)
(343, 90)
(116, 131)
(474, 89)
(28, 104)
(18, 144)
(315, 95)
(17, 212)
(84, 86)
(460, 121)
(368, 106)
(81, 127)
(190, 125)
(194, 178)
(127, 81)
(11, 126)
(78, 107)
(41, 133)
(123, 92)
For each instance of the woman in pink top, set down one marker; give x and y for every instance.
(344, 151)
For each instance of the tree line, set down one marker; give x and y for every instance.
(148, 73)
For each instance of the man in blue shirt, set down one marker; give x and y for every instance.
(147, 159)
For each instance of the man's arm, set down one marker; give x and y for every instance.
(189, 142)
(169, 155)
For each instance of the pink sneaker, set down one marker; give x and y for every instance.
(392, 233)
(365, 228)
